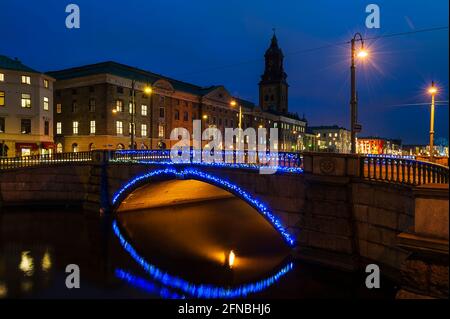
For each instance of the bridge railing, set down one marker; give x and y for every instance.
(282, 159)
(44, 159)
(403, 171)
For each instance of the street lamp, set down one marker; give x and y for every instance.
(233, 103)
(432, 91)
(362, 53)
(148, 91)
(132, 112)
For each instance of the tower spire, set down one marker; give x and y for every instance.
(273, 86)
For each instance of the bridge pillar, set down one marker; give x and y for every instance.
(97, 197)
(425, 271)
(327, 229)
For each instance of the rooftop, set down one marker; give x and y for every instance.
(122, 70)
(327, 127)
(14, 64)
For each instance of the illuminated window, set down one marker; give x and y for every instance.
(335, 134)
(2, 98)
(59, 148)
(92, 127)
(46, 84)
(58, 108)
(75, 127)
(26, 100)
(131, 108)
(58, 128)
(119, 105)
(143, 130)
(144, 110)
(75, 147)
(161, 131)
(26, 79)
(2, 77)
(119, 128)
(46, 103)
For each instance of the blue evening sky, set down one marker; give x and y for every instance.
(223, 42)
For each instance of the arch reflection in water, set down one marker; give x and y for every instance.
(194, 290)
(188, 173)
(147, 285)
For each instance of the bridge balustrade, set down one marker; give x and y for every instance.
(402, 170)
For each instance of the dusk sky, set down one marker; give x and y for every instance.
(223, 42)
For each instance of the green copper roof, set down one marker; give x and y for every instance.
(122, 70)
(128, 72)
(14, 64)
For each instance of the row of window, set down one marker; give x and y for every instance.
(327, 134)
(25, 79)
(25, 126)
(119, 128)
(25, 100)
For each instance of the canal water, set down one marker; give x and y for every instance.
(182, 251)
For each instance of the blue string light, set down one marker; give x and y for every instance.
(146, 285)
(191, 173)
(194, 290)
(163, 157)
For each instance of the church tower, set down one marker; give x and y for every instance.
(273, 88)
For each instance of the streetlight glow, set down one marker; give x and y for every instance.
(148, 90)
(233, 103)
(363, 53)
(432, 90)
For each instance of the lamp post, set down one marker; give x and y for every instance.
(132, 111)
(354, 99)
(432, 90)
(233, 103)
(148, 91)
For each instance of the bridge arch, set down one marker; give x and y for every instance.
(190, 173)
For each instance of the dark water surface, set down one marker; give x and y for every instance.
(171, 252)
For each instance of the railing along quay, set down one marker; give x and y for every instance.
(44, 159)
(402, 171)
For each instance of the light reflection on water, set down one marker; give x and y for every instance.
(36, 245)
(194, 290)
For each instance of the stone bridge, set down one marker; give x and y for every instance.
(339, 210)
